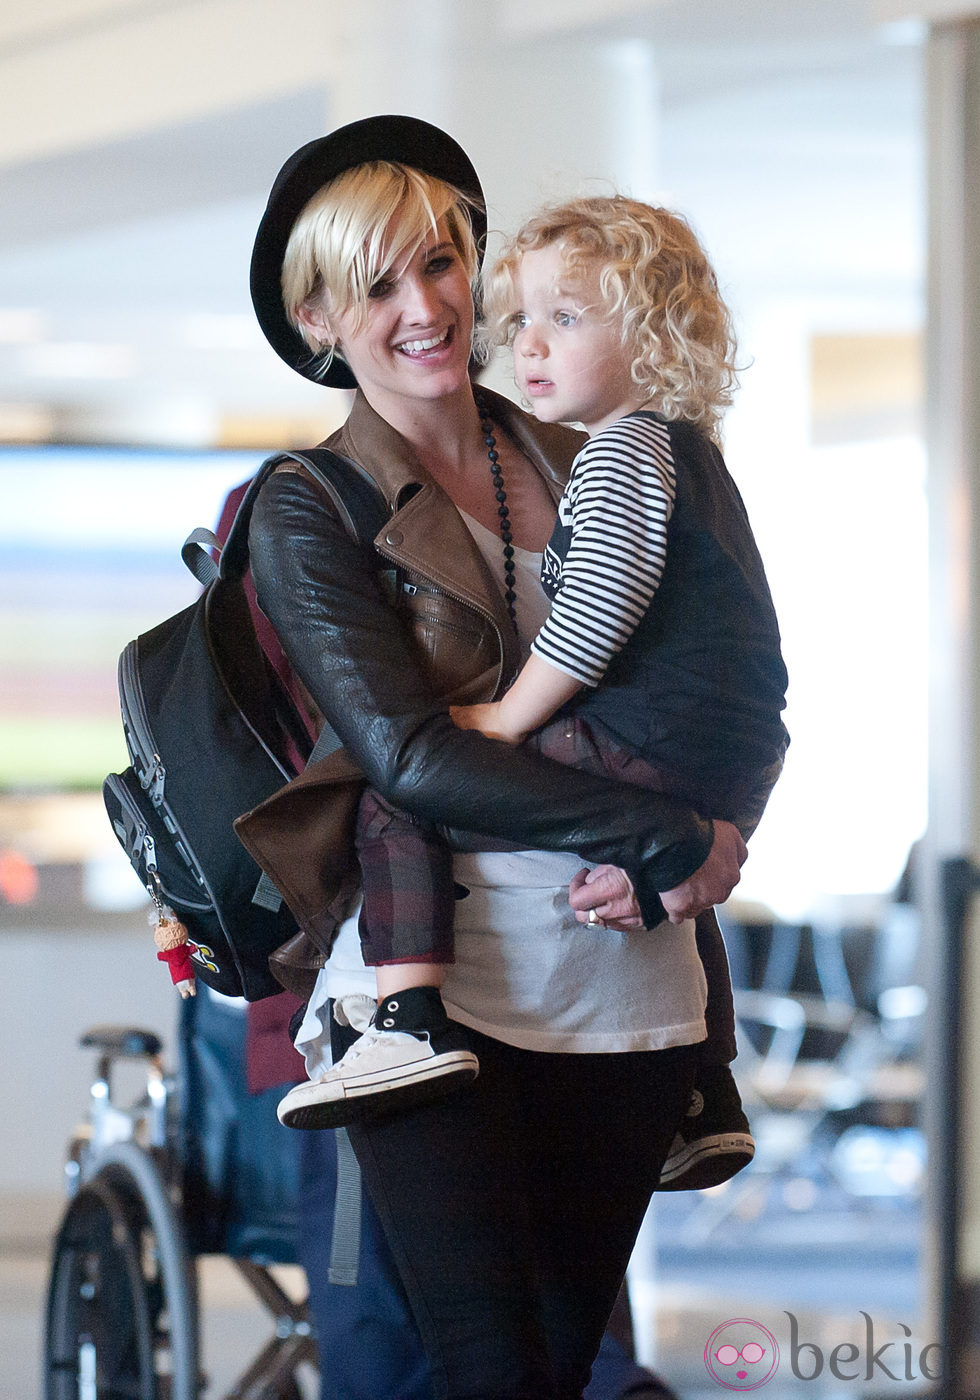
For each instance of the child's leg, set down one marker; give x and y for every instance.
(411, 1051)
(719, 1011)
(406, 919)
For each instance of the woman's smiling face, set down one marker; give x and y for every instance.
(415, 339)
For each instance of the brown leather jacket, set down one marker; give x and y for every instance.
(382, 671)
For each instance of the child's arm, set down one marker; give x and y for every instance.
(620, 498)
(538, 692)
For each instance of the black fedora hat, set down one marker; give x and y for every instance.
(407, 140)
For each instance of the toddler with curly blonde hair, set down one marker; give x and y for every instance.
(615, 320)
(648, 279)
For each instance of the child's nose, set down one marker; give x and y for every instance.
(532, 343)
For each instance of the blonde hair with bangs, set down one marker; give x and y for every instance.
(339, 246)
(655, 276)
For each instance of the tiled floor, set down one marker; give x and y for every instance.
(827, 1266)
(816, 1278)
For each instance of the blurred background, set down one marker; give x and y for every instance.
(138, 142)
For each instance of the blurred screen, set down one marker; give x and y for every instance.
(90, 543)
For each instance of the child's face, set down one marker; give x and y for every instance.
(569, 360)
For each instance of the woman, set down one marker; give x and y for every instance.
(511, 1209)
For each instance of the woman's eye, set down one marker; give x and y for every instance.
(440, 264)
(381, 288)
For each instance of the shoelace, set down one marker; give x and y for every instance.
(364, 1042)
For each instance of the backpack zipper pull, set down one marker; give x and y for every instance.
(169, 934)
(153, 780)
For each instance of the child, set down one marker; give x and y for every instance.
(661, 652)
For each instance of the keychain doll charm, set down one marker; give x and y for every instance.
(170, 936)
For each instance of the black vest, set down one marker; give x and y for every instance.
(700, 686)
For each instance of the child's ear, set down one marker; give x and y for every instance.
(313, 319)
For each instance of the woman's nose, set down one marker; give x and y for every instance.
(419, 297)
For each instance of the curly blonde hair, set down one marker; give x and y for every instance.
(655, 276)
(339, 245)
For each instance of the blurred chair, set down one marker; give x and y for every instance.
(829, 1055)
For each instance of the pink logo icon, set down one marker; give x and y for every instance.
(741, 1354)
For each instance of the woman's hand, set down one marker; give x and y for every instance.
(714, 881)
(487, 719)
(607, 892)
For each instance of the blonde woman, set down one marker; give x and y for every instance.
(510, 1208)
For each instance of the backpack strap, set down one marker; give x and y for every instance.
(362, 509)
(345, 1238)
(360, 504)
(198, 552)
(355, 496)
(358, 499)
(202, 546)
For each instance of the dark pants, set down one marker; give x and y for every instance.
(511, 1209)
(369, 1345)
(367, 1339)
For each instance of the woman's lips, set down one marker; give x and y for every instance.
(425, 345)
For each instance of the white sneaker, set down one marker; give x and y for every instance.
(382, 1071)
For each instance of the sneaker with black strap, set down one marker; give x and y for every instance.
(410, 1054)
(714, 1140)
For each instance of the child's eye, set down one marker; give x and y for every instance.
(565, 318)
(519, 321)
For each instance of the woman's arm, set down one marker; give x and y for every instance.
(320, 591)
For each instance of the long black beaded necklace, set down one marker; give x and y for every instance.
(510, 591)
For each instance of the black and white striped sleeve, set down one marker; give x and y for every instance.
(621, 494)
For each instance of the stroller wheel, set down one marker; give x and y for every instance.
(122, 1304)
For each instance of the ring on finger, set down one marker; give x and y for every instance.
(594, 919)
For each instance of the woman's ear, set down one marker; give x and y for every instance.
(313, 320)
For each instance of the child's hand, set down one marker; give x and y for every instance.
(486, 718)
(607, 892)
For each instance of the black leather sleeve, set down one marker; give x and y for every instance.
(319, 589)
